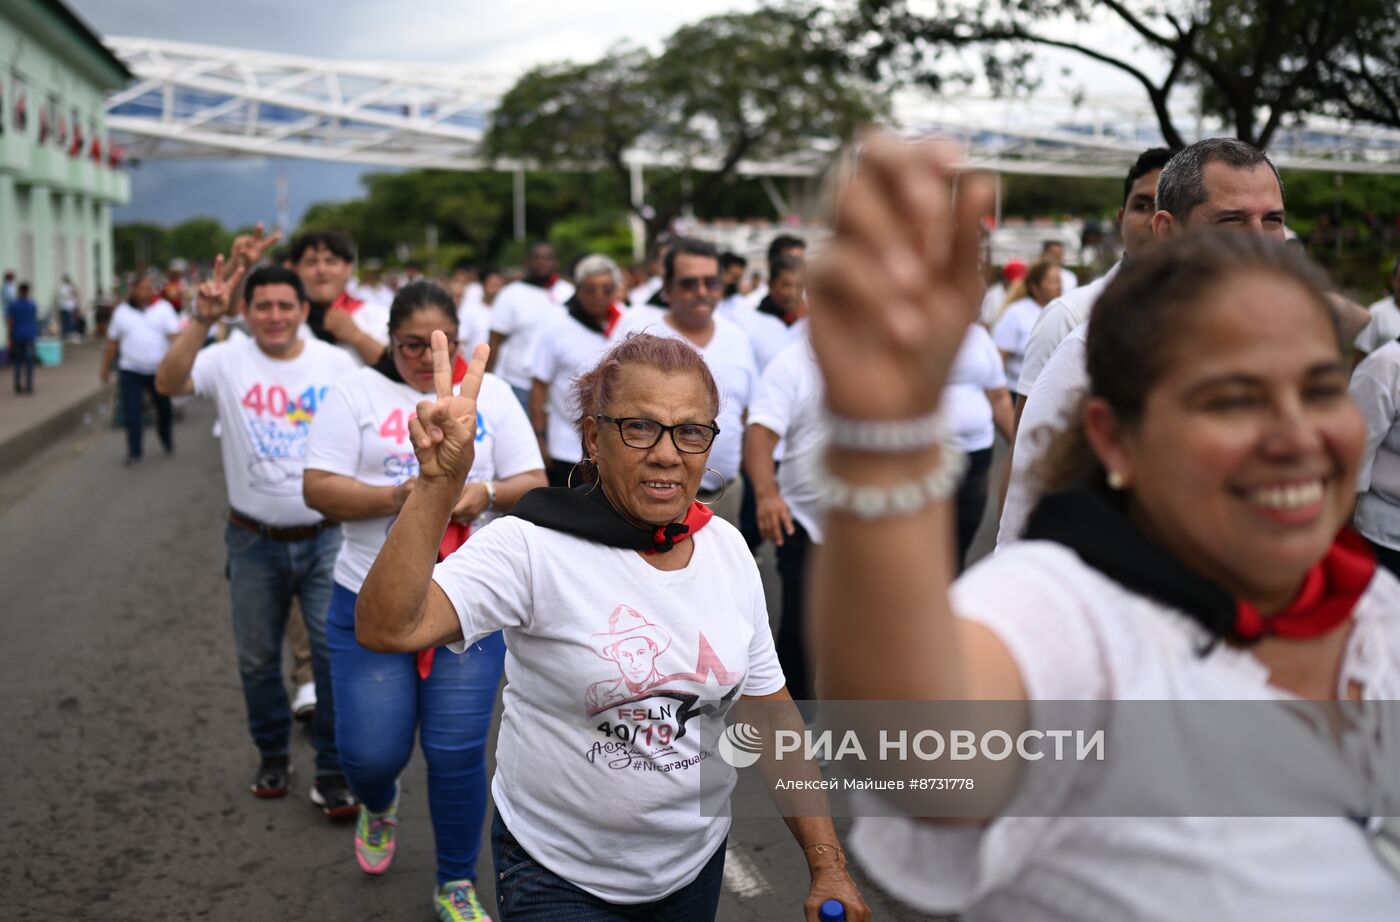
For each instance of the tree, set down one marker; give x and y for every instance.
(725, 89)
(1256, 62)
(199, 240)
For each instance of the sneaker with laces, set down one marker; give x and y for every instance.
(456, 901)
(332, 794)
(274, 777)
(374, 838)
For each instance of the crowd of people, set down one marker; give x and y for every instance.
(566, 481)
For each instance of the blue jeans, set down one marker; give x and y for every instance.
(263, 577)
(380, 701)
(526, 890)
(134, 387)
(22, 357)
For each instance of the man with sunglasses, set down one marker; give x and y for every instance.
(267, 389)
(693, 285)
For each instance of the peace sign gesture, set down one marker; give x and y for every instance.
(898, 284)
(216, 292)
(444, 431)
(248, 249)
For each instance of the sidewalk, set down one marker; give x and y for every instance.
(62, 395)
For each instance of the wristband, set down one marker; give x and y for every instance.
(868, 502)
(885, 435)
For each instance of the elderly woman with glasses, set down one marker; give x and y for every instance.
(633, 620)
(360, 468)
(568, 347)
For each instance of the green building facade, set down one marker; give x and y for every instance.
(58, 178)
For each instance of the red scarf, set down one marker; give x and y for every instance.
(666, 537)
(455, 536)
(1328, 597)
(614, 317)
(344, 302)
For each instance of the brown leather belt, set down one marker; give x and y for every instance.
(278, 532)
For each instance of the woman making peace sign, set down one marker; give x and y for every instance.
(629, 613)
(360, 467)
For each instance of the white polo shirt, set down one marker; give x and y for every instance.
(1059, 317)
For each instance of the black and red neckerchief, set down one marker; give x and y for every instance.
(542, 281)
(585, 512)
(770, 307)
(606, 328)
(1095, 525)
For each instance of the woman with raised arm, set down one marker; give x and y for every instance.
(360, 467)
(633, 619)
(1194, 546)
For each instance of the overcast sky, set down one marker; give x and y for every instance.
(501, 36)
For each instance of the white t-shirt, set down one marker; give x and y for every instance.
(1059, 317)
(1074, 634)
(729, 354)
(266, 406)
(643, 292)
(1383, 327)
(520, 312)
(768, 334)
(964, 406)
(361, 431)
(1048, 410)
(143, 336)
(991, 303)
(592, 777)
(788, 401)
(565, 350)
(1375, 386)
(1068, 281)
(1013, 332)
(473, 326)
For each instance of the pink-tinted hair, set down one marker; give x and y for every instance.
(594, 389)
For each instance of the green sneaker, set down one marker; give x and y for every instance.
(374, 838)
(456, 901)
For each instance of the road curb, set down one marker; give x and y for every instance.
(24, 445)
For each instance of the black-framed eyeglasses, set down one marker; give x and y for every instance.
(414, 348)
(691, 284)
(643, 433)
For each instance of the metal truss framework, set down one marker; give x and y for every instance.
(198, 101)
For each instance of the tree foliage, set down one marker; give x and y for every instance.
(1256, 63)
(727, 88)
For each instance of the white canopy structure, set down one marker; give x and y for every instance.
(193, 101)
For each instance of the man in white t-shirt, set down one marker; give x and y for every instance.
(138, 337)
(1215, 184)
(521, 311)
(788, 406)
(692, 287)
(783, 246)
(1384, 325)
(777, 321)
(267, 389)
(325, 262)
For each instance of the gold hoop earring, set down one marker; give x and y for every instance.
(569, 481)
(724, 485)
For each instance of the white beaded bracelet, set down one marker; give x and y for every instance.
(885, 435)
(871, 502)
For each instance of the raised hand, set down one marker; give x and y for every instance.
(249, 249)
(898, 284)
(444, 431)
(216, 292)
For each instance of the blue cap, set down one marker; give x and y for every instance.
(832, 911)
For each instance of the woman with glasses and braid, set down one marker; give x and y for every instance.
(360, 468)
(634, 620)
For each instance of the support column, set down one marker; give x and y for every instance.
(43, 225)
(639, 227)
(520, 204)
(103, 238)
(9, 242)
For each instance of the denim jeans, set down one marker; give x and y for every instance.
(526, 891)
(263, 576)
(380, 701)
(134, 387)
(22, 357)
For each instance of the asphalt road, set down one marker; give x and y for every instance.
(125, 761)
